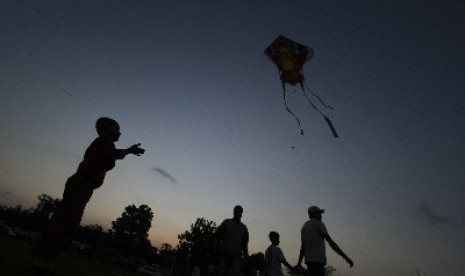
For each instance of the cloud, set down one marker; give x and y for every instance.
(48, 149)
(165, 174)
(5, 193)
(7, 197)
(429, 215)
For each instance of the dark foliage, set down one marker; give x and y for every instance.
(198, 246)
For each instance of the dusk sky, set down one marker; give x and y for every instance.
(189, 80)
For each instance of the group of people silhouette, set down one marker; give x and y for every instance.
(100, 157)
(234, 238)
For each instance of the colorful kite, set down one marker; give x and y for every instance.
(290, 56)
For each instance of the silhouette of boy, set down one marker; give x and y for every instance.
(274, 257)
(99, 158)
(313, 236)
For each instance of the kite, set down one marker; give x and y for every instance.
(290, 56)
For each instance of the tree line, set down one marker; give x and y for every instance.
(128, 237)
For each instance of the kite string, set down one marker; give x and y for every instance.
(290, 111)
(328, 121)
(303, 84)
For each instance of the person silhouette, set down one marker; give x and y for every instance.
(99, 158)
(274, 257)
(313, 236)
(234, 238)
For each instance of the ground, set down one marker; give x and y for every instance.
(15, 254)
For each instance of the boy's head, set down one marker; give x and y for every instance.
(274, 237)
(107, 127)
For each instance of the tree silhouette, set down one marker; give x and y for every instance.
(166, 247)
(92, 235)
(46, 206)
(198, 246)
(134, 224)
(14, 215)
(166, 256)
(32, 219)
(255, 263)
(130, 233)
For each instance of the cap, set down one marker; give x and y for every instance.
(315, 209)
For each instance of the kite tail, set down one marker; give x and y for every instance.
(328, 121)
(302, 84)
(331, 126)
(290, 111)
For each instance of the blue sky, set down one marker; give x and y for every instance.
(189, 80)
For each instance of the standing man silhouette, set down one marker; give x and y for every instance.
(313, 236)
(234, 238)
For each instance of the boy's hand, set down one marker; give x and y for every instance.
(298, 269)
(136, 149)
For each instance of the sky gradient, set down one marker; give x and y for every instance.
(189, 80)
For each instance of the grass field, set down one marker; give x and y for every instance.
(15, 254)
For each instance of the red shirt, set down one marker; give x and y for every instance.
(99, 158)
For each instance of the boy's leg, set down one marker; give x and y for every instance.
(64, 222)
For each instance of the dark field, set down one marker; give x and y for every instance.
(15, 254)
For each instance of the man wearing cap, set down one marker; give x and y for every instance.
(313, 236)
(234, 238)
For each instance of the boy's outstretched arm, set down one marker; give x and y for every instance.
(134, 149)
(338, 250)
